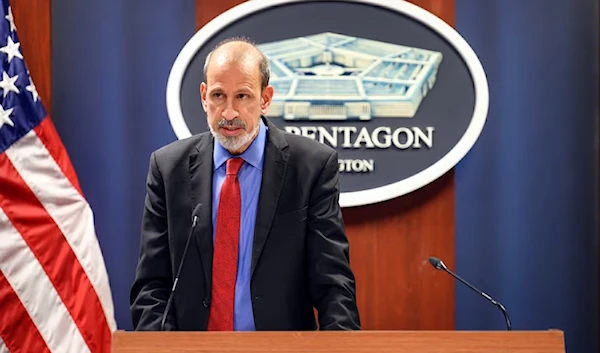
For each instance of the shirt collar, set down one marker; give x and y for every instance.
(253, 155)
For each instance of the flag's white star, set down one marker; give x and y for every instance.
(11, 20)
(5, 116)
(31, 88)
(8, 83)
(12, 49)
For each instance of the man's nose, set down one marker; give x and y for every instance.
(230, 112)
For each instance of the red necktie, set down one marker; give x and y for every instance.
(224, 269)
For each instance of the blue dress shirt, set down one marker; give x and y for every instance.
(250, 178)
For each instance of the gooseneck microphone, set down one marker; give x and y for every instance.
(439, 265)
(187, 244)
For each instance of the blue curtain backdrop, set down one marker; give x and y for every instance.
(110, 64)
(525, 194)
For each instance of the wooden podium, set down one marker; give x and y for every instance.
(551, 341)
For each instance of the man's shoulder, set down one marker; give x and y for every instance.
(181, 149)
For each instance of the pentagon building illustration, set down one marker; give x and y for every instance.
(330, 76)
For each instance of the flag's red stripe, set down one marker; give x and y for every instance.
(50, 247)
(50, 138)
(16, 327)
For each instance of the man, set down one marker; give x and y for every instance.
(269, 243)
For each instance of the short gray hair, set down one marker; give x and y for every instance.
(265, 71)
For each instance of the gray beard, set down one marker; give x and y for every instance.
(234, 143)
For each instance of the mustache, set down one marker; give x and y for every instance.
(237, 122)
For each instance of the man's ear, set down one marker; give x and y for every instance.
(203, 89)
(266, 98)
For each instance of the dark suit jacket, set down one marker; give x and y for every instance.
(300, 250)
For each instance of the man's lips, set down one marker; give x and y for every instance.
(231, 130)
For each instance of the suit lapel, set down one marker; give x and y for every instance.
(201, 172)
(274, 168)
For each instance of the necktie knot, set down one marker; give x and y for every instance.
(234, 165)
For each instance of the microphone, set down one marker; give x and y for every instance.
(187, 244)
(439, 265)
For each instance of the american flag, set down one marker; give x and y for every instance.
(54, 289)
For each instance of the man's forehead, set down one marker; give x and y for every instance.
(230, 60)
(234, 61)
(224, 68)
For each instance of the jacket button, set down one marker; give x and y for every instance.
(205, 303)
